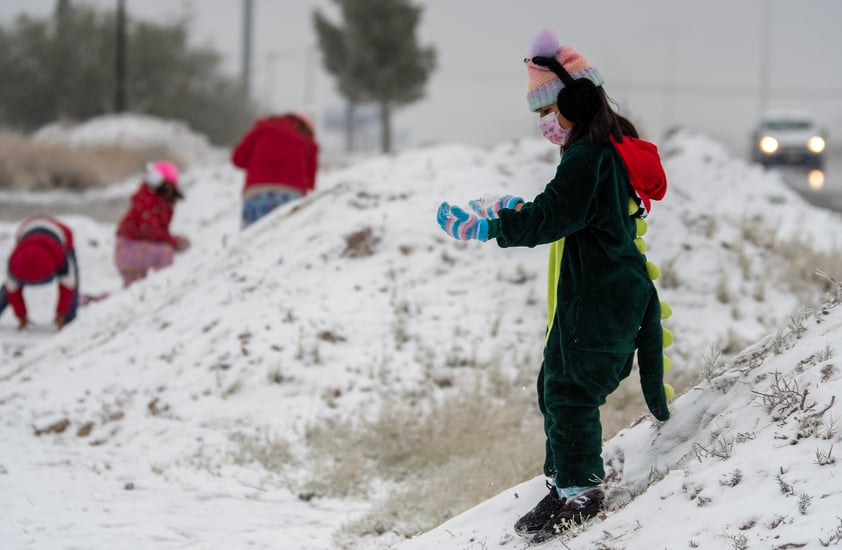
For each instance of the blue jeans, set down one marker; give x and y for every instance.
(261, 204)
(4, 301)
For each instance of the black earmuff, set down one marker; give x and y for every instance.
(579, 100)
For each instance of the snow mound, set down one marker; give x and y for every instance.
(717, 237)
(707, 181)
(745, 461)
(312, 312)
(328, 304)
(134, 130)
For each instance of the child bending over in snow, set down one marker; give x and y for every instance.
(280, 157)
(43, 252)
(602, 302)
(144, 241)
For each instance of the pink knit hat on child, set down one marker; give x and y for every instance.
(544, 84)
(159, 172)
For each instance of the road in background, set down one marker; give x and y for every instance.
(829, 193)
(101, 209)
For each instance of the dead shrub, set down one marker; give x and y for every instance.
(799, 269)
(443, 459)
(54, 428)
(261, 447)
(360, 244)
(35, 166)
(669, 274)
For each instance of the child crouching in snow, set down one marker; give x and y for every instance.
(602, 304)
(144, 240)
(43, 252)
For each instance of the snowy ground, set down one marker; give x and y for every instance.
(746, 461)
(354, 293)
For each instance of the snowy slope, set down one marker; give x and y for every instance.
(249, 334)
(320, 311)
(720, 230)
(746, 461)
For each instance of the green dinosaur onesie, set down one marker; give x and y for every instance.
(606, 305)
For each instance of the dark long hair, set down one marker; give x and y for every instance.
(301, 125)
(169, 192)
(605, 124)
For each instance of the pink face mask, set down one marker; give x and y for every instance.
(552, 130)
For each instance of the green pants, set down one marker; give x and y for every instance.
(572, 385)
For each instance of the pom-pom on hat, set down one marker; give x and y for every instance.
(544, 83)
(160, 172)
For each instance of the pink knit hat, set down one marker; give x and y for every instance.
(159, 172)
(544, 84)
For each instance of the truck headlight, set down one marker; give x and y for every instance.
(768, 144)
(816, 144)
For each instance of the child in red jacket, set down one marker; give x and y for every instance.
(43, 252)
(279, 155)
(144, 240)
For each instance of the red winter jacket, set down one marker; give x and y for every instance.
(43, 251)
(148, 218)
(275, 151)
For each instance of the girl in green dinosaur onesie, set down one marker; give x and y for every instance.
(603, 304)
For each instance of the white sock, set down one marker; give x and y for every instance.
(570, 492)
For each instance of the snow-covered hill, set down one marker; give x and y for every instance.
(135, 130)
(321, 311)
(747, 460)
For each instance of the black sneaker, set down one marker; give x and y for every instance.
(576, 510)
(535, 519)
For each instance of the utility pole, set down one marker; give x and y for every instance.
(245, 68)
(120, 66)
(61, 72)
(62, 8)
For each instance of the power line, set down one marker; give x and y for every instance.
(245, 69)
(120, 64)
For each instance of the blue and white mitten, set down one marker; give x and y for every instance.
(491, 210)
(461, 225)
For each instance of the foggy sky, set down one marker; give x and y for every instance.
(665, 62)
